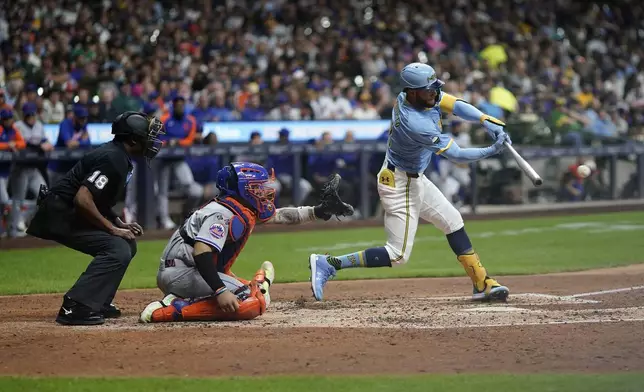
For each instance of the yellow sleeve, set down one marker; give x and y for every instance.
(447, 102)
(491, 119)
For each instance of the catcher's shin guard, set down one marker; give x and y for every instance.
(485, 288)
(207, 309)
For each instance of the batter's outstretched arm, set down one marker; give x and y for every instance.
(466, 111)
(466, 155)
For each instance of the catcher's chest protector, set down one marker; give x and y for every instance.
(240, 227)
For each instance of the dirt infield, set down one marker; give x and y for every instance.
(554, 323)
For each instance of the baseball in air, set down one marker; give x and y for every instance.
(583, 171)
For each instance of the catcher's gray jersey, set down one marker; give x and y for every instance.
(177, 271)
(208, 224)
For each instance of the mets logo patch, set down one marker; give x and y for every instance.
(217, 231)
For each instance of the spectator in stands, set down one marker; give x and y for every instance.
(600, 123)
(181, 130)
(566, 124)
(94, 113)
(220, 111)
(284, 167)
(253, 111)
(53, 108)
(72, 134)
(10, 140)
(365, 110)
(585, 97)
(203, 112)
(27, 176)
(108, 111)
(284, 111)
(334, 106)
(31, 94)
(4, 105)
(125, 101)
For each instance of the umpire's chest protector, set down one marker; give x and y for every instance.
(240, 228)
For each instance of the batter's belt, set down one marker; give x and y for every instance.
(391, 167)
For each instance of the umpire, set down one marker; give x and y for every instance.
(77, 213)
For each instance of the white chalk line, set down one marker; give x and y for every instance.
(604, 292)
(529, 324)
(526, 296)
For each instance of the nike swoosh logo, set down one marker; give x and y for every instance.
(67, 311)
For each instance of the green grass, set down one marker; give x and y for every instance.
(525, 246)
(452, 383)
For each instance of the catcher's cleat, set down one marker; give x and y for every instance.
(321, 272)
(148, 312)
(265, 277)
(493, 291)
(330, 202)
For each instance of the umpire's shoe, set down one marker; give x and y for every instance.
(75, 313)
(111, 311)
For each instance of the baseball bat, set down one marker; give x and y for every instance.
(525, 166)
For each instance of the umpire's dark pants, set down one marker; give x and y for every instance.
(97, 286)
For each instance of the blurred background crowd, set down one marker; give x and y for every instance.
(558, 72)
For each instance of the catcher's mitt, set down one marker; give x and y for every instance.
(330, 202)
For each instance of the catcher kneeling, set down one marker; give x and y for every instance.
(195, 269)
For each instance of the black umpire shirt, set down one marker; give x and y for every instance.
(105, 171)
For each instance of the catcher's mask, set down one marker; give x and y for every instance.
(248, 181)
(140, 128)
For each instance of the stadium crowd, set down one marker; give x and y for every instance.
(575, 66)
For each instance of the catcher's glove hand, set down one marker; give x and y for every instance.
(330, 203)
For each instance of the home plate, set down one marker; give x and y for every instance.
(499, 309)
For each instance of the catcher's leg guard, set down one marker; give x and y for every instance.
(207, 309)
(485, 288)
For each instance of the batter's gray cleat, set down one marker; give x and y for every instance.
(493, 292)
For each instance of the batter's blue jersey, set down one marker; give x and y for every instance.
(414, 135)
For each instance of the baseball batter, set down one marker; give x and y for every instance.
(407, 195)
(195, 269)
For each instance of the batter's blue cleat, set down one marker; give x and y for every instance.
(321, 272)
(493, 291)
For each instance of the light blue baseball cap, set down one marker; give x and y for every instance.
(419, 75)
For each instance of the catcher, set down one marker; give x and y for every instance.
(195, 269)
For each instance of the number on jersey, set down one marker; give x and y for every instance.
(99, 180)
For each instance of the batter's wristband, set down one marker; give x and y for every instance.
(221, 290)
